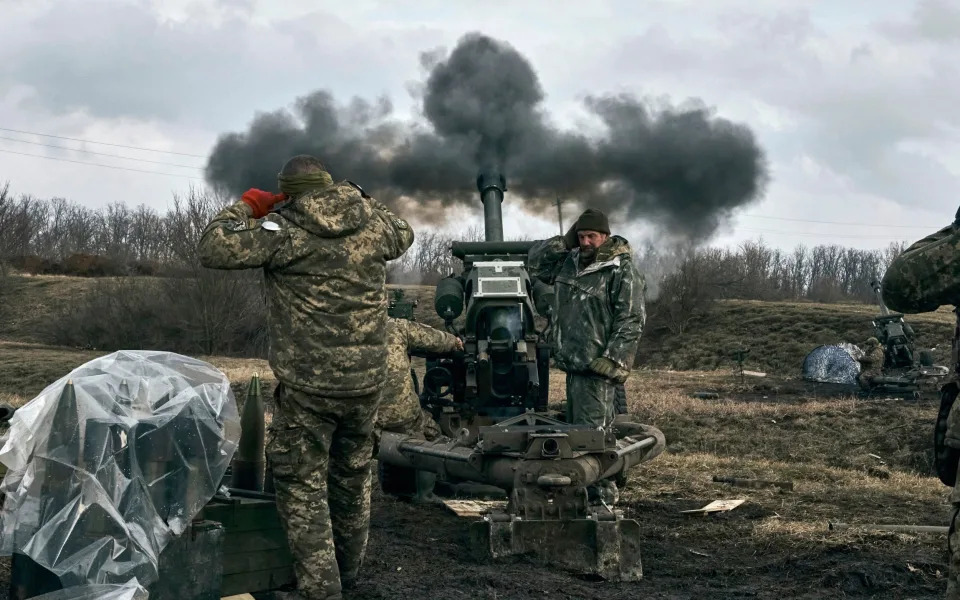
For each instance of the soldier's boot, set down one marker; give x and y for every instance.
(426, 481)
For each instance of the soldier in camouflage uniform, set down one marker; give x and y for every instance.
(323, 248)
(597, 318)
(871, 363)
(598, 313)
(400, 410)
(923, 278)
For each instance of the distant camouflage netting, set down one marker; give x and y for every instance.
(832, 364)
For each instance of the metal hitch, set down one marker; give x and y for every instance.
(606, 547)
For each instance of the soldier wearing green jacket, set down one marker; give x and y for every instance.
(598, 314)
(323, 248)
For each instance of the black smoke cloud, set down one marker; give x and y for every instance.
(682, 169)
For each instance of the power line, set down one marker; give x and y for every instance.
(841, 223)
(156, 162)
(60, 137)
(99, 165)
(817, 234)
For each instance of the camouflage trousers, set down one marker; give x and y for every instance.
(321, 453)
(953, 547)
(590, 399)
(620, 400)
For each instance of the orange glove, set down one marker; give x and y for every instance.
(260, 201)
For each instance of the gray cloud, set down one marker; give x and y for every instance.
(855, 108)
(120, 60)
(857, 104)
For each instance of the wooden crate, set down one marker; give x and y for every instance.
(256, 557)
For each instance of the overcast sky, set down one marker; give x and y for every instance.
(855, 103)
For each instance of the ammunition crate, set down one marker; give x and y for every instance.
(256, 557)
(189, 568)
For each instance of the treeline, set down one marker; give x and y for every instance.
(185, 308)
(59, 237)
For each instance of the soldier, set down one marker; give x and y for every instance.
(598, 314)
(871, 363)
(323, 248)
(400, 410)
(923, 278)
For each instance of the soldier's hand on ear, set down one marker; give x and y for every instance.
(260, 201)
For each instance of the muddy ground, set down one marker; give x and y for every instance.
(775, 545)
(851, 459)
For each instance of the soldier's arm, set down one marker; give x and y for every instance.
(398, 233)
(546, 257)
(423, 338)
(235, 240)
(629, 316)
(926, 275)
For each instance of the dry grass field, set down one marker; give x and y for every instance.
(852, 461)
(856, 461)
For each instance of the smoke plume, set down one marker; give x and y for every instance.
(682, 169)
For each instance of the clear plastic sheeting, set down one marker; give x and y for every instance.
(128, 591)
(832, 364)
(113, 460)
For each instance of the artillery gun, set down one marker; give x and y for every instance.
(905, 369)
(490, 401)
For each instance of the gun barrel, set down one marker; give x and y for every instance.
(492, 186)
(876, 292)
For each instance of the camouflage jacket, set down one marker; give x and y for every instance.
(400, 404)
(598, 311)
(324, 258)
(871, 363)
(926, 275)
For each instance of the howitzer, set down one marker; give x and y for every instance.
(895, 336)
(490, 401)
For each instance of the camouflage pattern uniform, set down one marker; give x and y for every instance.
(620, 400)
(598, 312)
(323, 256)
(923, 278)
(871, 363)
(400, 410)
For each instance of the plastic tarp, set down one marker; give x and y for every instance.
(833, 364)
(112, 461)
(128, 591)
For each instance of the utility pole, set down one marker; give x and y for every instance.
(559, 214)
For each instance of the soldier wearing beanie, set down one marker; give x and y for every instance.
(598, 314)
